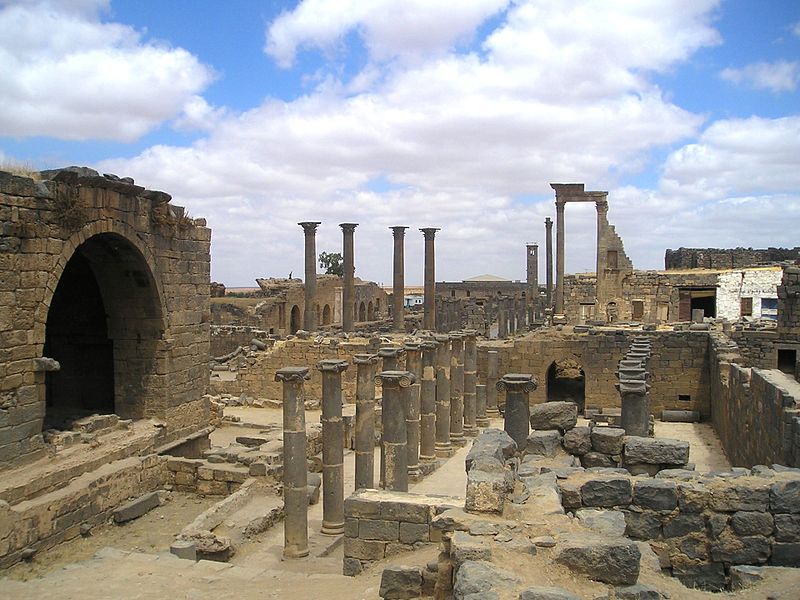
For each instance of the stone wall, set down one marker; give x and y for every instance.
(380, 524)
(728, 258)
(699, 525)
(150, 262)
(745, 283)
(226, 338)
(757, 348)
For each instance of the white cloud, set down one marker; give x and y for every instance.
(795, 28)
(779, 76)
(69, 75)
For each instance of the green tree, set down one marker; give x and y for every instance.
(332, 262)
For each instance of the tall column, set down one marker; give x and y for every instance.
(511, 306)
(332, 446)
(602, 222)
(414, 366)
(517, 386)
(348, 285)
(548, 223)
(429, 304)
(427, 441)
(457, 389)
(443, 446)
(398, 281)
(559, 308)
(481, 419)
(310, 283)
(470, 381)
(365, 419)
(295, 471)
(492, 375)
(532, 295)
(396, 387)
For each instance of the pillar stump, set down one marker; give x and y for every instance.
(492, 375)
(427, 409)
(366, 365)
(295, 484)
(332, 446)
(517, 386)
(413, 366)
(457, 389)
(443, 446)
(396, 389)
(481, 420)
(470, 382)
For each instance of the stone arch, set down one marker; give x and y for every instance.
(566, 381)
(326, 315)
(362, 312)
(370, 311)
(104, 321)
(294, 319)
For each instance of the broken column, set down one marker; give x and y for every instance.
(492, 375)
(457, 389)
(517, 386)
(396, 388)
(398, 281)
(391, 356)
(632, 386)
(443, 446)
(365, 420)
(348, 285)
(310, 283)
(414, 366)
(470, 381)
(429, 303)
(481, 419)
(548, 223)
(332, 446)
(502, 320)
(427, 441)
(295, 485)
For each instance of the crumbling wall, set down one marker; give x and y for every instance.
(727, 258)
(755, 284)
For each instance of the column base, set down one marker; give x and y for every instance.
(444, 451)
(413, 471)
(458, 439)
(332, 529)
(470, 430)
(559, 319)
(492, 413)
(483, 421)
(295, 552)
(427, 459)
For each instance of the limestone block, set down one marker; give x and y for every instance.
(578, 440)
(377, 529)
(656, 451)
(570, 493)
(693, 497)
(465, 547)
(609, 561)
(411, 533)
(399, 583)
(655, 494)
(364, 549)
(546, 593)
(543, 443)
(608, 440)
(487, 492)
(562, 416)
(136, 508)
(607, 492)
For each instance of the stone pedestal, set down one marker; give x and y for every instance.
(366, 365)
(457, 389)
(396, 387)
(295, 485)
(517, 386)
(492, 376)
(427, 442)
(332, 446)
(414, 366)
(443, 446)
(635, 418)
(310, 283)
(470, 382)
(348, 285)
(481, 419)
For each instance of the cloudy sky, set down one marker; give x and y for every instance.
(449, 113)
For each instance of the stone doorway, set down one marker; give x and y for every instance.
(566, 382)
(294, 324)
(105, 328)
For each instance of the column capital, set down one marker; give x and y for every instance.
(395, 379)
(548, 222)
(293, 374)
(441, 338)
(428, 345)
(399, 230)
(391, 352)
(638, 388)
(365, 359)
(412, 347)
(332, 365)
(625, 373)
(517, 382)
(429, 232)
(310, 227)
(601, 205)
(348, 227)
(560, 204)
(470, 334)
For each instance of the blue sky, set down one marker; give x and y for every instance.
(457, 114)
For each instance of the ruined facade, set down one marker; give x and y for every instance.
(727, 258)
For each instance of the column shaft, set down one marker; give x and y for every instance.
(348, 283)
(517, 412)
(427, 447)
(470, 382)
(443, 446)
(457, 390)
(398, 280)
(559, 308)
(310, 283)
(396, 388)
(492, 375)
(549, 263)
(414, 366)
(365, 420)
(332, 447)
(481, 419)
(429, 303)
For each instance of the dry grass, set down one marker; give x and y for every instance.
(20, 169)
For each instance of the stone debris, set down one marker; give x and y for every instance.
(136, 508)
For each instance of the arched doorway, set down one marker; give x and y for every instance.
(105, 327)
(326, 315)
(370, 312)
(294, 320)
(566, 382)
(362, 312)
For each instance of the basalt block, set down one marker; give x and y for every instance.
(608, 561)
(562, 416)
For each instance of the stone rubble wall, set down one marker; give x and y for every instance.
(226, 338)
(380, 524)
(757, 348)
(726, 258)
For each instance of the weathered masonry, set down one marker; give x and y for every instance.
(104, 308)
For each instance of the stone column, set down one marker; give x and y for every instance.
(332, 446)
(310, 284)
(511, 305)
(492, 375)
(548, 223)
(398, 281)
(396, 387)
(602, 221)
(517, 386)
(532, 294)
(470, 382)
(632, 387)
(429, 305)
(414, 366)
(443, 446)
(457, 389)
(427, 441)
(348, 285)
(502, 320)
(295, 482)
(391, 356)
(365, 419)
(481, 419)
(559, 308)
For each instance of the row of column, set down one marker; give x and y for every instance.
(431, 405)
(348, 289)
